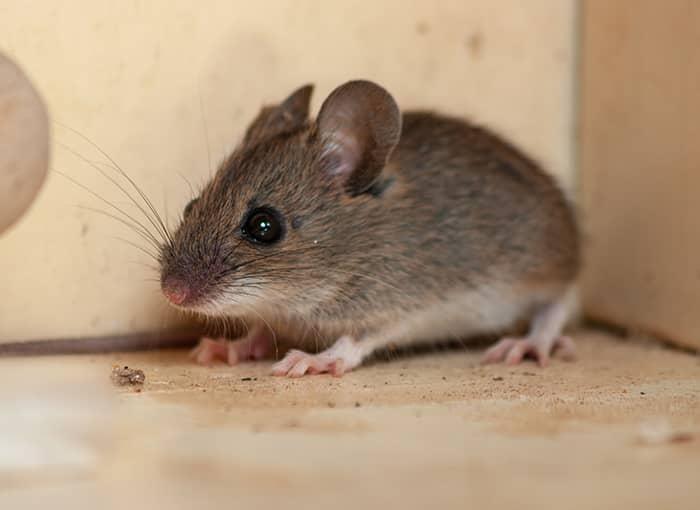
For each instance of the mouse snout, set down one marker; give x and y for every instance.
(177, 292)
(176, 295)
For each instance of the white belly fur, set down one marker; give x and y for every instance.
(485, 310)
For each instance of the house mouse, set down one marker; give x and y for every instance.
(369, 227)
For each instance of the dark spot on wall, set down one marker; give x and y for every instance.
(422, 27)
(475, 44)
(84, 229)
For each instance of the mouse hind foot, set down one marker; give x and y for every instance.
(512, 351)
(544, 338)
(256, 345)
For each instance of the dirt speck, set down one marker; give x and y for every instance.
(475, 44)
(125, 376)
(422, 27)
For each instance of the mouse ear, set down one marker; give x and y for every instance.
(290, 114)
(359, 125)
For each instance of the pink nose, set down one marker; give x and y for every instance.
(176, 294)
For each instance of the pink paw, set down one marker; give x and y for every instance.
(343, 356)
(513, 350)
(255, 346)
(297, 363)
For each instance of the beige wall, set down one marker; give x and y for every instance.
(131, 74)
(640, 165)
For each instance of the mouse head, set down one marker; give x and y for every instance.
(291, 213)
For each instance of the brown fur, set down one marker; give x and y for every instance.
(454, 208)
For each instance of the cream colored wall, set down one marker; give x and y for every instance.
(639, 161)
(131, 76)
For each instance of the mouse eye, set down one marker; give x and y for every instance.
(263, 226)
(188, 207)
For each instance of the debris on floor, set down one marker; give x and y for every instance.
(125, 376)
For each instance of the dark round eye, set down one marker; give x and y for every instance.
(263, 226)
(188, 207)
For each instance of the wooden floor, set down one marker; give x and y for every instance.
(619, 428)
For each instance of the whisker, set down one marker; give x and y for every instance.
(141, 264)
(165, 206)
(145, 232)
(145, 235)
(189, 184)
(123, 173)
(115, 182)
(206, 130)
(269, 255)
(140, 248)
(269, 327)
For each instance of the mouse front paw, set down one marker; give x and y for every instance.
(344, 355)
(256, 345)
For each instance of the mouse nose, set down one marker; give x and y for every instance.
(176, 292)
(176, 296)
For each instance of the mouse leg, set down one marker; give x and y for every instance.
(344, 355)
(544, 337)
(257, 344)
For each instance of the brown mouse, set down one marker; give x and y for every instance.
(367, 227)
